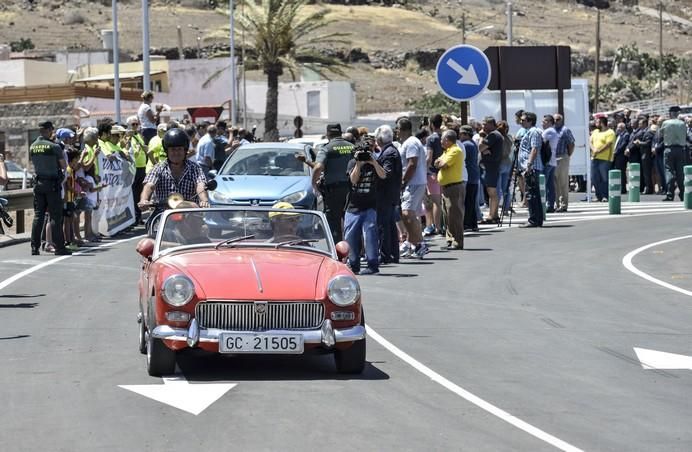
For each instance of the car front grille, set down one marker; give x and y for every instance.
(244, 316)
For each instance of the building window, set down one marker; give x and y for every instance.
(314, 104)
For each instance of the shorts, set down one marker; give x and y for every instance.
(492, 175)
(412, 197)
(433, 185)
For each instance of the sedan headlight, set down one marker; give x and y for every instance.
(178, 290)
(217, 196)
(293, 198)
(343, 290)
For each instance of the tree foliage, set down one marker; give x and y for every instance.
(431, 104)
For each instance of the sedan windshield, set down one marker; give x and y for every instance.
(252, 161)
(234, 228)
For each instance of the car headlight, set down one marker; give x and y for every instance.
(343, 290)
(294, 197)
(178, 290)
(217, 196)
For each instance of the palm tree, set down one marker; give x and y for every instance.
(280, 38)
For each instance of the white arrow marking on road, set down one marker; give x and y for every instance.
(652, 359)
(178, 393)
(468, 76)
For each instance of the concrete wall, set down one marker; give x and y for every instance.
(73, 59)
(30, 73)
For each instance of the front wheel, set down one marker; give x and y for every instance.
(351, 360)
(142, 335)
(160, 359)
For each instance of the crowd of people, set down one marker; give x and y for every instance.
(383, 192)
(660, 145)
(68, 165)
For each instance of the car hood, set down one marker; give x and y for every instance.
(261, 187)
(251, 274)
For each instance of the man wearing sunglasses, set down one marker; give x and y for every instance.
(532, 166)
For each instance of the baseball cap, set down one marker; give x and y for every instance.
(45, 125)
(282, 205)
(466, 129)
(64, 134)
(117, 129)
(334, 128)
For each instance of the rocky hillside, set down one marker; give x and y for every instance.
(393, 48)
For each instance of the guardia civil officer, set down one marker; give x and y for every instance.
(49, 164)
(332, 159)
(674, 136)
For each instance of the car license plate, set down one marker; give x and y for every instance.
(260, 343)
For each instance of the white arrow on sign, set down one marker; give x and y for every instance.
(177, 392)
(468, 76)
(652, 359)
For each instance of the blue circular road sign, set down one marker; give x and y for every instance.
(463, 72)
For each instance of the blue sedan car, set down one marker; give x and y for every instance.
(261, 174)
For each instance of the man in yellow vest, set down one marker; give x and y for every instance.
(156, 153)
(138, 152)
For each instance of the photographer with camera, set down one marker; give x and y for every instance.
(361, 215)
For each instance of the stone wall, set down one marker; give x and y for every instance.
(18, 120)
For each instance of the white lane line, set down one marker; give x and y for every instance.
(35, 268)
(463, 393)
(627, 262)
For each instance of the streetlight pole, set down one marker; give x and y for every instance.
(509, 24)
(463, 28)
(660, 49)
(234, 97)
(146, 78)
(116, 61)
(598, 58)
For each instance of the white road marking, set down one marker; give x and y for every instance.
(35, 268)
(461, 392)
(653, 359)
(177, 392)
(627, 262)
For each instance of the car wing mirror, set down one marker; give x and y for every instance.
(212, 174)
(342, 250)
(145, 247)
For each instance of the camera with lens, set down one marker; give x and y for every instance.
(363, 156)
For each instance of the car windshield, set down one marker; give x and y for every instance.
(234, 228)
(252, 161)
(11, 166)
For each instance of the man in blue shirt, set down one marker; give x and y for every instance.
(565, 148)
(551, 136)
(474, 177)
(531, 165)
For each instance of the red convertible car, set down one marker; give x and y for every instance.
(270, 281)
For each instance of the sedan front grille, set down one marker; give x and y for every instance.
(243, 316)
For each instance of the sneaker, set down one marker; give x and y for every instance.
(35, 252)
(550, 210)
(429, 230)
(668, 198)
(63, 252)
(72, 247)
(405, 250)
(369, 271)
(422, 250)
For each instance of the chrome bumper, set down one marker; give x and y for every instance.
(325, 335)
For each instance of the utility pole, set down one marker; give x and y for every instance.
(509, 24)
(146, 79)
(598, 58)
(116, 61)
(181, 52)
(242, 39)
(660, 49)
(463, 28)
(234, 96)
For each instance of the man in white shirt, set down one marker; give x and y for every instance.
(414, 183)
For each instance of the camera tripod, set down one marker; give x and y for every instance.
(511, 181)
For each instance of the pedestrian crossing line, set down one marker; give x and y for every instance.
(601, 213)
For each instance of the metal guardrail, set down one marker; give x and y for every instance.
(19, 201)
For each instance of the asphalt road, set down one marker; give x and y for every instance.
(522, 342)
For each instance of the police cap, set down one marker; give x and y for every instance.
(334, 128)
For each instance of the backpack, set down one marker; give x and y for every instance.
(546, 152)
